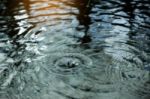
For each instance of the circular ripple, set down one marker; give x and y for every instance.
(135, 80)
(66, 63)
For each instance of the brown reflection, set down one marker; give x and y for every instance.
(27, 5)
(84, 7)
(83, 17)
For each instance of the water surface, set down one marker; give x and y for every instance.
(74, 49)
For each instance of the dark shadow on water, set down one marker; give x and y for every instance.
(7, 21)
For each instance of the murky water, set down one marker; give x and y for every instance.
(74, 49)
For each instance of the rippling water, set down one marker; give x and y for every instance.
(74, 49)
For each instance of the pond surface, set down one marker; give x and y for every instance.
(75, 49)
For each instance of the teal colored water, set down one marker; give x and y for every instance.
(74, 49)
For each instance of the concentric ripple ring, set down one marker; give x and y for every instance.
(65, 63)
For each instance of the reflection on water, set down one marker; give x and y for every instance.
(74, 49)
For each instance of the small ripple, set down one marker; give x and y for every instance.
(134, 80)
(67, 63)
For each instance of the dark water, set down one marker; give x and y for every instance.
(75, 49)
